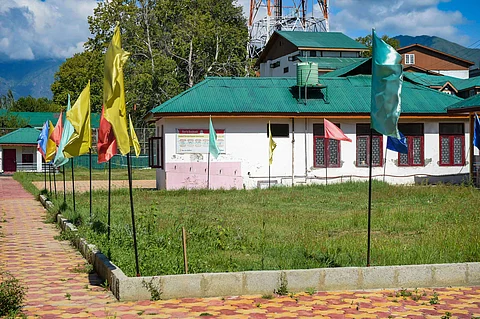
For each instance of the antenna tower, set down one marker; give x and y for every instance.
(294, 17)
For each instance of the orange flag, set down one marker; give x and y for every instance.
(333, 132)
(57, 131)
(107, 144)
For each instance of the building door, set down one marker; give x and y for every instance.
(9, 160)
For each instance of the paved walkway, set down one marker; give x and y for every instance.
(84, 186)
(59, 288)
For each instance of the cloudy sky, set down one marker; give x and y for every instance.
(36, 29)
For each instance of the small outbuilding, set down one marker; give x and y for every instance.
(18, 151)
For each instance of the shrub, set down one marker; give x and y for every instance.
(12, 294)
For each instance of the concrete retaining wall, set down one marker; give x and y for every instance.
(265, 282)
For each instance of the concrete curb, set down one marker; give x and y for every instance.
(265, 282)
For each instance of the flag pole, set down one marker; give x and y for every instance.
(269, 175)
(384, 164)
(54, 181)
(49, 177)
(108, 206)
(208, 169)
(64, 195)
(73, 187)
(326, 160)
(44, 175)
(90, 175)
(133, 214)
(369, 199)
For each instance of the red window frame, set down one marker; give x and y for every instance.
(451, 138)
(410, 139)
(380, 144)
(326, 150)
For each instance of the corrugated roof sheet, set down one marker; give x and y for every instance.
(440, 80)
(279, 95)
(25, 135)
(327, 40)
(331, 63)
(346, 69)
(471, 102)
(37, 119)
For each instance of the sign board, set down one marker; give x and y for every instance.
(196, 141)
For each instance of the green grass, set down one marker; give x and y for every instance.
(284, 228)
(82, 174)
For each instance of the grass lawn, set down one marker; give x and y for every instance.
(284, 228)
(82, 174)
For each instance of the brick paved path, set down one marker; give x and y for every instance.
(58, 289)
(84, 186)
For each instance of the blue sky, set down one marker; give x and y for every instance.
(37, 29)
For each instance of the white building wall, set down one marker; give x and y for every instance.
(461, 74)
(247, 142)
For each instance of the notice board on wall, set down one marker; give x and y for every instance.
(196, 140)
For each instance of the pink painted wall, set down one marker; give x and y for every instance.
(194, 175)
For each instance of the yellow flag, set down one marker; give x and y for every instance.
(79, 116)
(271, 145)
(51, 146)
(114, 91)
(133, 138)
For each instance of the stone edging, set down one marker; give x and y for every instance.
(265, 282)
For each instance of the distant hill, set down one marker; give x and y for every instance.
(442, 45)
(28, 77)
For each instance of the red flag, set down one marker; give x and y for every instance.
(333, 132)
(57, 131)
(107, 144)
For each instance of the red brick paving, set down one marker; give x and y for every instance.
(58, 289)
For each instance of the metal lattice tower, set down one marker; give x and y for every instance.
(286, 18)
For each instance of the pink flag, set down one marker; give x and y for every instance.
(333, 132)
(57, 132)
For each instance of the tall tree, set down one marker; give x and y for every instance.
(7, 101)
(367, 41)
(174, 44)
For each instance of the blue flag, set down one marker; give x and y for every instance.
(67, 132)
(43, 139)
(387, 82)
(212, 141)
(398, 145)
(476, 132)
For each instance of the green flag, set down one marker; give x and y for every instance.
(67, 132)
(212, 142)
(387, 82)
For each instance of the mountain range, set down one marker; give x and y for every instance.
(35, 77)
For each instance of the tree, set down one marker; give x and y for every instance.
(7, 101)
(10, 121)
(74, 74)
(174, 44)
(31, 104)
(367, 41)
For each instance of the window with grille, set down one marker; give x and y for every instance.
(325, 151)
(363, 146)
(414, 136)
(409, 58)
(452, 144)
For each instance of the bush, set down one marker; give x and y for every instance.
(12, 294)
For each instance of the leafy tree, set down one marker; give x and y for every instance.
(9, 121)
(367, 41)
(7, 101)
(174, 44)
(31, 104)
(73, 76)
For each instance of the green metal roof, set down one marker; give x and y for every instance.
(37, 119)
(279, 95)
(25, 135)
(325, 40)
(331, 63)
(348, 68)
(471, 103)
(440, 80)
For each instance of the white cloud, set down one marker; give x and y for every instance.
(34, 29)
(395, 17)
